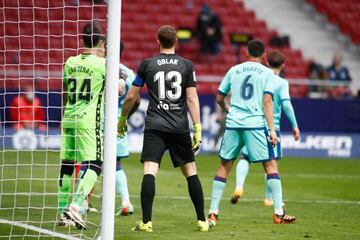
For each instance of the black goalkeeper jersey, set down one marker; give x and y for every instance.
(166, 76)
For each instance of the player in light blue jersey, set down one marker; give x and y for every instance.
(281, 99)
(127, 77)
(249, 123)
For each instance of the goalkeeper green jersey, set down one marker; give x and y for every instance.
(84, 76)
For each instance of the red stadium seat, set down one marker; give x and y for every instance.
(32, 42)
(342, 13)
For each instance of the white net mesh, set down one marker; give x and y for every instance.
(36, 38)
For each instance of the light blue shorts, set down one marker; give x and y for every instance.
(256, 142)
(277, 149)
(122, 148)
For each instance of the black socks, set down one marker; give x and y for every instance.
(196, 195)
(147, 196)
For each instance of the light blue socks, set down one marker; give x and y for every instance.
(242, 170)
(217, 192)
(274, 183)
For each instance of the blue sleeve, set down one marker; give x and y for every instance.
(289, 112)
(139, 82)
(224, 87)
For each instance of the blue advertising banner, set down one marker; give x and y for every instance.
(312, 144)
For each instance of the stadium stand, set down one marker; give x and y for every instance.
(344, 14)
(29, 51)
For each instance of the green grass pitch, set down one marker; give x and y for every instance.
(323, 193)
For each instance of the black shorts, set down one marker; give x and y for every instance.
(156, 142)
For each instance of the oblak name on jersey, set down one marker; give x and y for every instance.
(167, 61)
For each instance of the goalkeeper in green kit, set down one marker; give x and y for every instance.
(81, 125)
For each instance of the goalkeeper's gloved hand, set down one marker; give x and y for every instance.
(122, 126)
(196, 138)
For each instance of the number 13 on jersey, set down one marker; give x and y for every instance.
(175, 92)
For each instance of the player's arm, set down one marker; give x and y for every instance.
(220, 99)
(290, 114)
(223, 91)
(268, 106)
(135, 106)
(122, 87)
(64, 89)
(289, 110)
(64, 97)
(193, 105)
(129, 102)
(269, 116)
(192, 101)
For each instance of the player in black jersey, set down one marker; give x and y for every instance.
(171, 84)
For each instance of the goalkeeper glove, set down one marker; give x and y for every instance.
(122, 126)
(196, 138)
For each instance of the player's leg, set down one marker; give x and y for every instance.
(274, 182)
(86, 206)
(242, 170)
(229, 150)
(261, 150)
(122, 190)
(151, 158)
(89, 148)
(196, 194)
(268, 201)
(66, 171)
(179, 146)
(121, 179)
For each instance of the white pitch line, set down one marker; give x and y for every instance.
(260, 200)
(37, 229)
(287, 175)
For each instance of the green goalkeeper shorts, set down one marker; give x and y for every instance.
(81, 144)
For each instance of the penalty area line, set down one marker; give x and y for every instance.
(37, 229)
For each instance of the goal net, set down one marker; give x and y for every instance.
(36, 38)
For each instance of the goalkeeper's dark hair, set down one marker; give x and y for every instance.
(256, 48)
(92, 34)
(276, 59)
(167, 36)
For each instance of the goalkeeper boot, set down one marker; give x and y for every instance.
(203, 226)
(144, 227)
(73, 213)
(64, 222)
(236, 196)
(212, 219)
(284, 219)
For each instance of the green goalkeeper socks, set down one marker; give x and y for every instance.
(64, 192)
(85, 185)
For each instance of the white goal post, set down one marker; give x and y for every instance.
(111, 108)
